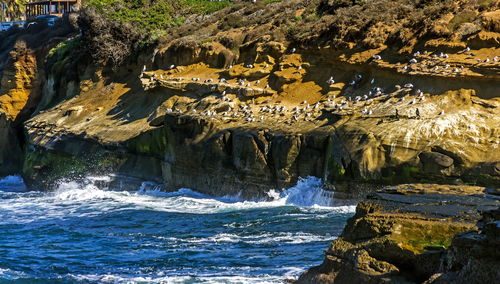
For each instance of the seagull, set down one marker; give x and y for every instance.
(372, 81)
(467, 49)
(358, 77)
(413, 60)
(377, 57)
(171, 66)
(293, 50)
(330, 81)
(409, 86)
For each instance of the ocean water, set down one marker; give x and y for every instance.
(79, 233)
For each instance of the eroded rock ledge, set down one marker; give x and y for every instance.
(415, 234)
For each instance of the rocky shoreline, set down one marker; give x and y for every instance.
(416, 234)
(414, 125)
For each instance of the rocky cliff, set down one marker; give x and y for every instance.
(249, 107)
(22, 79)
(364, 94)
(416, 234)
(262, 125)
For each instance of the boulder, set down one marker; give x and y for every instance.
(400, 234)
(433, 160)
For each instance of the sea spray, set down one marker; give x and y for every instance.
(82, 233)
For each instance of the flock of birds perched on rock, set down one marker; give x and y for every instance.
(252, 112)
(433, 62)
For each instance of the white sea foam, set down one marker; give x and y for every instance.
(265, 238)
(8, 274)
(261, 279)
(90, 200)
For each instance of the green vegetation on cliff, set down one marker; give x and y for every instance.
(154, 16)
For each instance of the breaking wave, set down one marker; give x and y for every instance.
(83, 233)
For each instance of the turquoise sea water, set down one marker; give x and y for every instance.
(79, 233)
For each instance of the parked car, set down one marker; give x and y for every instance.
(50, 19)
(6, 25)
(20, 24)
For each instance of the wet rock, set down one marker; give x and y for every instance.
(473, 256)
(400, 235)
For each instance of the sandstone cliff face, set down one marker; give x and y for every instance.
(406, 234)
(223, 109)
(22, 77)
(19, 91)
(253, 128)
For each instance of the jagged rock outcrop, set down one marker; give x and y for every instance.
(22, 77)
(19, 92)
(406, 234)
(473, 256)
(197, 118)
(257, 109)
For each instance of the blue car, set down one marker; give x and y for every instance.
(20, 24)
(50, 19)
(6, 25)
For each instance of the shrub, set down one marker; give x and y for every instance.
(108, 41)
